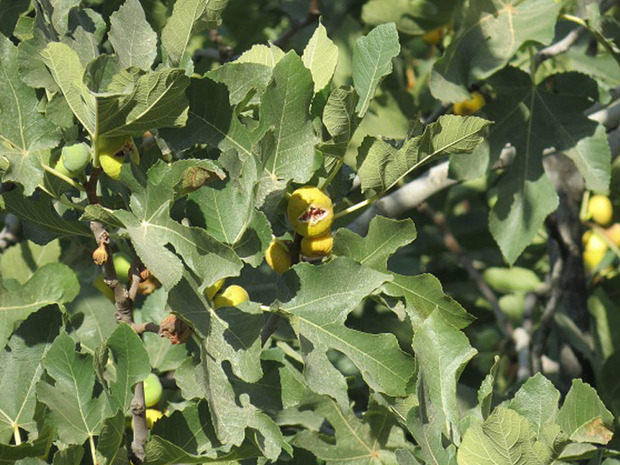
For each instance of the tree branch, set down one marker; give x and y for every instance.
(453, 245)
(296, 25)
(140, 430)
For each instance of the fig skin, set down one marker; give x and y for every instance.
(310, 211)
(214, 288)
(278, 256)
(469, 106)
(113, 151)
(600, 210)
(231, 297)
(320, 246)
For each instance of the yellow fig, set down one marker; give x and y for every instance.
(600, 209)
(592, 258)
(231, 297)
(319, 246)
(278, 256)
(613, 233)
(113, 151)
(310, 211)
(594, 251)
(212, 290)
(469, 106)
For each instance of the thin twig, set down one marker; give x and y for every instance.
(453, 245)
(560, 47)
(296, 25)
(564, 45)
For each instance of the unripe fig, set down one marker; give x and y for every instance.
(319, 246)
(278, 256)
(469, 106)
(310, 211)
(61, 168)
(75, 157)
(152, 390)
(113, 151)
(600, 209)
(231, 297)
(122, 264)
(212, 290)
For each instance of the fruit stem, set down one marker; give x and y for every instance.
(18, 437)
(356, 207)
(65, 178)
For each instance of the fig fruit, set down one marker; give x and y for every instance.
(278, 256)
(113, 151)
(469, 106)
(600, 209)
(212, 290)
(152, 389)
(122, 264)
(310, 211)
(231, 297)
(319, 246)
(75, 157)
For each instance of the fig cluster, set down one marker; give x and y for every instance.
(310, 212)
(596, 244)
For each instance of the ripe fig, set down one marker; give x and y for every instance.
(231, 297)
(319, 246)
(469, 106)
(278, 256)
(212, 290)
(113, 151)
(310, 211)
(600, 209)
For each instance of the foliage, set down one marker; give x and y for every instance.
(362, 355)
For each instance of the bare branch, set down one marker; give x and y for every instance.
(140, 430)
(560, 47)
(407, 197)
(296, 25)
